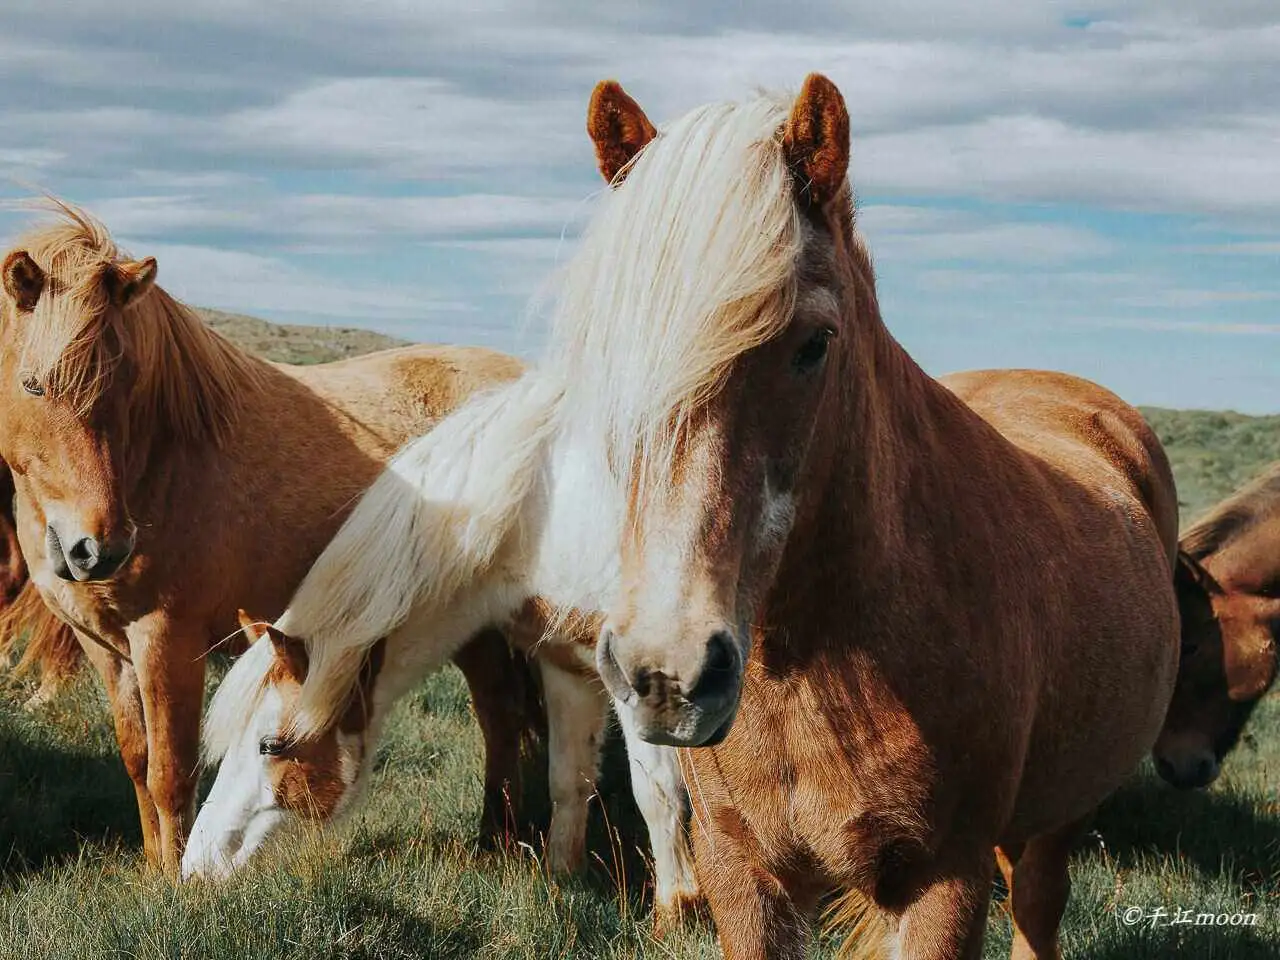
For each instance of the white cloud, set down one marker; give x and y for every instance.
(337, 219)
(233, 280)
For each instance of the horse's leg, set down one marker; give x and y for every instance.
(755, 917)
(1039, 886)
(170, 666)
(121, 681)
(498, 678)
(660, 794)
(949, 919)
(577, 709)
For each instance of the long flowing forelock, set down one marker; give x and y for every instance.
(235, 702)
(687, 265)
(184, 375)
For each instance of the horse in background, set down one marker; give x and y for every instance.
(904, 622)
(1228, 584)
(164, 476)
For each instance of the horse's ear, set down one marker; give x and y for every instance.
(1190, 576)
(129, 282)
(253, 628)
(618, 128)
(815, 142)
(23, 279)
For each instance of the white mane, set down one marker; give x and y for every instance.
(671, 283)
(689, 264)
(235, 701)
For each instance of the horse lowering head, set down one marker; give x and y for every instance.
(704, 310)
(64, 386)
(270, 781)
(1229, 601)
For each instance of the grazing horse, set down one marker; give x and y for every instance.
(164, 476)
(456, 533)
(903, 622)
(1228, 582)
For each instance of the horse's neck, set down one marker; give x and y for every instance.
(577, 512)
(153, 452)
(894, 438)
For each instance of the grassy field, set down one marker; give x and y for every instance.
(401, 879)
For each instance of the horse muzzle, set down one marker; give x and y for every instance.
(83, 559)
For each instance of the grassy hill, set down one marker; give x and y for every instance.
(1212, 453)
(400, 879)
(290, 343)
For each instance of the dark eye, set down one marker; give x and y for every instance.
(273, 746)
(33, 386)
(810, 356)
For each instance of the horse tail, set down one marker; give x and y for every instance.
(51, 646)
(864, 926)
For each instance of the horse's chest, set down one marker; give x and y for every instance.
(827, 791)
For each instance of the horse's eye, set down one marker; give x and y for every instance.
(273, 746)
(810, 356)
(33, 386)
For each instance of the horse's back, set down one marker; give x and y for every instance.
(1082, 430)
(413, 385)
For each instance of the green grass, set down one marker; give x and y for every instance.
(1213, 453)
(401, 879)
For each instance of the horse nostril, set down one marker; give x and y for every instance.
(84, 553)
(720, 668)
(611, 672)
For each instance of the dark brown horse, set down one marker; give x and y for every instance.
(904, 622)
(163, 476)
(1228, 581)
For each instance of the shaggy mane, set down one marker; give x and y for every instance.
(188, 379)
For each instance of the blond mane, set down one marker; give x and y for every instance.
(670, 285)
(235, 702)
(672, 281)
(188, 379)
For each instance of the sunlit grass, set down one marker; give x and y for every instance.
(403, 879)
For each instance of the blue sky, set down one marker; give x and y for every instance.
(1089, 187)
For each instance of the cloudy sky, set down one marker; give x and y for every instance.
(1090, 187)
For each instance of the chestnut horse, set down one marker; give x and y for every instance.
(458, 531)
(164, 476)
(902, 627)
(1228, 581)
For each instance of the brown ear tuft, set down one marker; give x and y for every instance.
(23, 279)
(253, 628)
(618, 127)
(291, 654)
(815, 141)
(129, 282)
